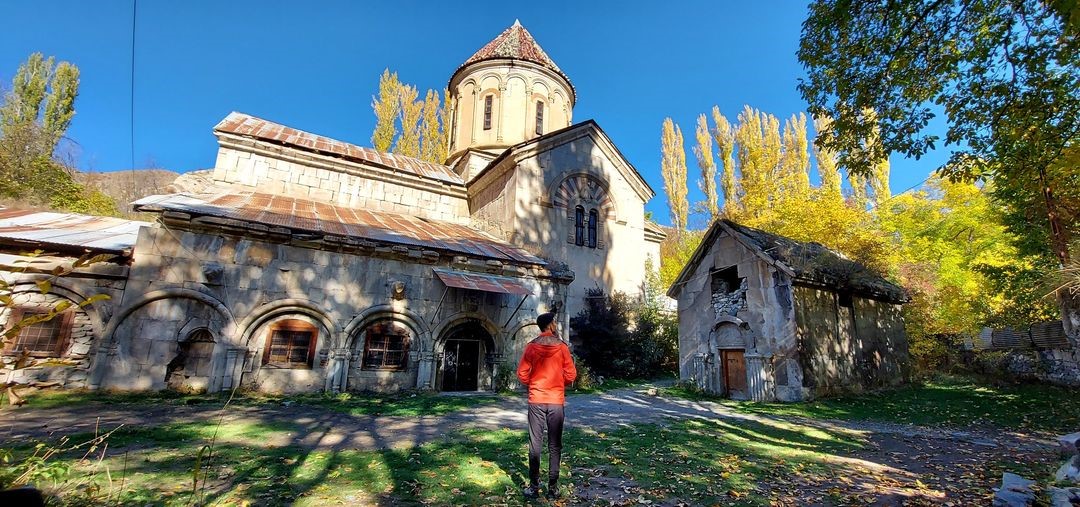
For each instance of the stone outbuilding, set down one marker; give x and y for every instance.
(763, 317)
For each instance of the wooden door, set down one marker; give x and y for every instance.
(734, 373)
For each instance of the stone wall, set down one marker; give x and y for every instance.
(1054, 366)
(238, 287)
(264, 167)
(849, 349)
(71, 369)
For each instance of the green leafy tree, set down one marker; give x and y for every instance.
(1005, 72)
(673, 170)
(34, 117)
(433, 139)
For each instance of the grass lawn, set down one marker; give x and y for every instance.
(945, 401)
(701, 463)
(404, 405)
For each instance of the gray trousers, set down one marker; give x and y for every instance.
(541, 416)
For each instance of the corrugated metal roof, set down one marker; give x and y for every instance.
(477, 281)
(322, 218)
(247, 125)
(47, 229)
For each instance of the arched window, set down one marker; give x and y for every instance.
(594, 220)
(386, 346)
(198, 350)
(487, 112)
(290, 344)
(539, 117)
(579, 226)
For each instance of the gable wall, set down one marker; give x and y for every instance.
(276, 170)
(768, 314)
(541, 227)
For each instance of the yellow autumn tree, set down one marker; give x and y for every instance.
(673, 170)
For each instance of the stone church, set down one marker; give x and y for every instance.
(305, 263)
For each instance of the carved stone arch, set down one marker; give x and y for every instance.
(274, 309)
(490, 74)
(590, 192)
(733, 332)
(97, 312)
(439, 332)
(361, 320)
(176, 292)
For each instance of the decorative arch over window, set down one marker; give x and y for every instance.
(588, 206)
(386, 346)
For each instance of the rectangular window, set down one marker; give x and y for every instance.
(539, 117)
(47, 338)
(594, 220)
(291, 344)
(579, 226)
(386, 348)
(487, 112)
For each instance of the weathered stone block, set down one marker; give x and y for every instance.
(1069, 470)
(1015, 491)
(1069, 444)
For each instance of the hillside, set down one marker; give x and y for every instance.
(128, 186)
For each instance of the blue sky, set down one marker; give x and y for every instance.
(315, 66)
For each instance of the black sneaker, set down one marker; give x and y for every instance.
(531, 492)
(553, 493)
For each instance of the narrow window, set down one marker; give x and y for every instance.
(47, 338)
(539, 117)
(487, 112)
(386, 347)
(845, 300)
(579, 226)
(594, 219)
(291, 344)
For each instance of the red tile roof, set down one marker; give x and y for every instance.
(247, 125)
(515, 43)
(327, 219)
(477, 281)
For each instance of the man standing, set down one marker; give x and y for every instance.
(546, 367)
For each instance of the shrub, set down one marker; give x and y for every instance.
(612, 347)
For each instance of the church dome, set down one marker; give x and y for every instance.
(508, 92)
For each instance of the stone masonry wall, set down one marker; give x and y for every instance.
(256, 282)
(257, 166)
(1054, 366)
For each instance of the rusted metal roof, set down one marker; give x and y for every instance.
(247, 125)
(477, 281)
(68, 231)
(327, 219)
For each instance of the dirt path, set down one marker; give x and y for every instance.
(899, 463)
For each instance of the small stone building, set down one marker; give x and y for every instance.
(764, 317)
(306, 263)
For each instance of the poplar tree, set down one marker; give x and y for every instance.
(409, 112)
(826, 162)
(432, 137)
(673, 169)
(724, 135)
(704, 154)
(796, 155)
(386, 107)
(40, 82)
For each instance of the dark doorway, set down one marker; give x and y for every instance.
(461, 361)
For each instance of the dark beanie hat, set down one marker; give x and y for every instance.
(544, 319)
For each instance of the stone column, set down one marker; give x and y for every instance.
(233, 368)
(502, 112)
(759, 377)
(102, 358)
(425, 374)
(477, 118)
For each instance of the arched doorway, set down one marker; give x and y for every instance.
(463, 364)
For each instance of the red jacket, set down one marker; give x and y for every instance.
(546, 367)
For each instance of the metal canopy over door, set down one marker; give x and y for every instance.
(734, 362)
(461, 359)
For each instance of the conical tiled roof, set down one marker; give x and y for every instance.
(515, 43)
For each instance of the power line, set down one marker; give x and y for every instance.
(134, 12)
